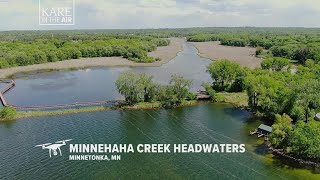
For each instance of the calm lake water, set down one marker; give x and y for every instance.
(97, 84)
(205, 123)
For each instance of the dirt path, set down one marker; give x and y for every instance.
(165, 53)
(245, 56)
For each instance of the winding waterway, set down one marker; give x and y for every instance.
(205, 123)
(95, 84)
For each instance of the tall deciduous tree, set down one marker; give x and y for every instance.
(306, 95)
(223, 73)
(180, 86)
(129, 86)
(305, 141)
(275, 63)
(281, 130)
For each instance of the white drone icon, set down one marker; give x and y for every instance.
(54, 147)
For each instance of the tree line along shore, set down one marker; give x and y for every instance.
(288, 95)
(290, 99)
(39, 51)
(54, 49)
(161, 55)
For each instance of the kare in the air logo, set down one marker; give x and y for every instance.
(58, 12)
(54, 147)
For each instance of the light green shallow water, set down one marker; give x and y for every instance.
(205, 123)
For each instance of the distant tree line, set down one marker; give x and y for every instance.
(299, 46)
(31, 47)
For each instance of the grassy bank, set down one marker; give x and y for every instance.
(239, 100)
(157, 105)
(153, 105)
(28, 114)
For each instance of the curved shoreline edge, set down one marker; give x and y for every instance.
(212, 50)
(238, 100)
(140, 106)
(294, 159)
(165, 53)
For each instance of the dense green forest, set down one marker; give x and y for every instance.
(19, 48)
(290, 98)
(37, 51)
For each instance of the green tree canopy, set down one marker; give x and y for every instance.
(135, 87)
(305, 141)
(180, 86)
(224, 73)
(281, 129)
(275, 63)
(8, 113)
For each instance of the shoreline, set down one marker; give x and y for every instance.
(235, 99)
(214, 51)
(140, 106)
(238, 100)
(165, 53)
(300, 162)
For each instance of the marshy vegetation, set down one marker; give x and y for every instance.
(24, 52)
(7, 113)
(291, 43)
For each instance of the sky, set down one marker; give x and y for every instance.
(137, 14)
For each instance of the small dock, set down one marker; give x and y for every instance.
(203, 96)
(3, 100)
(262, 131)
(11, 83)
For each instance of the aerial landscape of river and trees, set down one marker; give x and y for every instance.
(234, 84)
(282, 90)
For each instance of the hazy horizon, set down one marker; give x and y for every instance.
(166, 14)
(70, 29)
